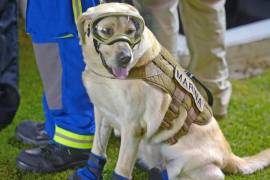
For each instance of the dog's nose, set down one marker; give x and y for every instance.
(124, 59)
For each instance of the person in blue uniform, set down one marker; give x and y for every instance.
(65, 138)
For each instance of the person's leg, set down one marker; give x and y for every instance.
(33, 132)
(22, 7)
(76, 114)
(9, 66)
(62, 91)
(204, 26)
(49, 65)
(69, 117)
(66, 104)
(161, 17)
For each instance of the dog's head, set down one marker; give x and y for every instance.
(114, 38)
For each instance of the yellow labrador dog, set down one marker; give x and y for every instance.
(115, 42)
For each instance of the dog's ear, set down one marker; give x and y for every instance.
(81, 28)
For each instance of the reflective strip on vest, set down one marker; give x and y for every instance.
(66, 36)
(73, 140)
(77, 9)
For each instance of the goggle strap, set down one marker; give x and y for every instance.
(96, 44)
(120, 39)
(88, 30)
(102, 1)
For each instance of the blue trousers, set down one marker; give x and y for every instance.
(68, 110)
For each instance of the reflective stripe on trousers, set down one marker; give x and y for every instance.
(73, 140)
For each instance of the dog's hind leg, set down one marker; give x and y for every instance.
(174, 167)
(207, 172)
(102, 135)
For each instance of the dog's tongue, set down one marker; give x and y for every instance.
(120, 73)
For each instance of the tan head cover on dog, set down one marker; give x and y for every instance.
(96, 14)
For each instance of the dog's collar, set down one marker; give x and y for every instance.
(149, 70)
(100, 75)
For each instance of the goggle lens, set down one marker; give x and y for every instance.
(106, 29)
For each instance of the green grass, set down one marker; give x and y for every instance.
(247, 127)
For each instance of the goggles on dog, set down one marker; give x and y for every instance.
(107, 36)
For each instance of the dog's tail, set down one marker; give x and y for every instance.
(248, 165)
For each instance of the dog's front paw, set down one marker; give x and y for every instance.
(157, 174)
(118, 177)
(92, 171)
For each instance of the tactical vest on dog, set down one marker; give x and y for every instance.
(164, 72)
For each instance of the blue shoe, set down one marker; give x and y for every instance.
(118, 177)
(92, 171)
(157, 174)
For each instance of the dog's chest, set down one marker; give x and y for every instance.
(128, 100)
(117, 98)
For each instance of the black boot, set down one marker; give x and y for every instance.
(51, 158)
(32, 132)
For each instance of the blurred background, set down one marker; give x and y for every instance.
(247, 126)
(241, 12)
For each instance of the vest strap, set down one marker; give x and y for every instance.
(161, 73)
